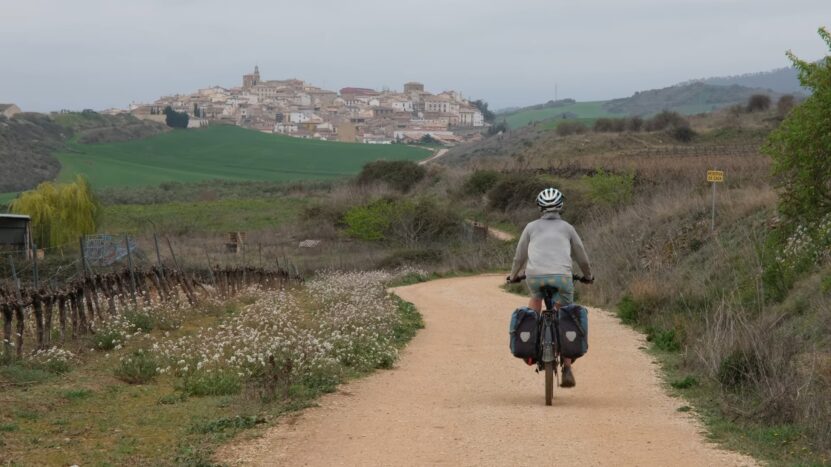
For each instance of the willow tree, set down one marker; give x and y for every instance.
(60, 212)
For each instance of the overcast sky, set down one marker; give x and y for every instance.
(107, 53)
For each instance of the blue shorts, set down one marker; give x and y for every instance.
(563, 282)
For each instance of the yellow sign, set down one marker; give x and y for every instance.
(715, 176)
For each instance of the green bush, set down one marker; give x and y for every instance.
(665, 120)
(758, 103)
(800, 146)
(685, 383)
(408, 222)
(137, 368)
(683, 134)
(401, 175)
(479, 182)
(666, 340)
(606, 125)
(216, 383)
(370, 222)
(611, 189)
(515, 190)
(634, 124)
(628, 310)
(423, 220)
(571, 128)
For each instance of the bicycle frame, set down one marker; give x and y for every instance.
(549, 351)
(549, 322)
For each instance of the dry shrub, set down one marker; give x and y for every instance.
(646, 289)
(761, 365)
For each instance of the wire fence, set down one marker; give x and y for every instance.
(77, 295)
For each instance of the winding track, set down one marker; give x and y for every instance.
(459, 398)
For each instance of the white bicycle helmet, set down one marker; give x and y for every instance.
(550, 200)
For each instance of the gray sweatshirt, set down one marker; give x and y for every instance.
(547, 245)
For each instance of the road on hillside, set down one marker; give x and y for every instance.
(437, 155)
(458, 397)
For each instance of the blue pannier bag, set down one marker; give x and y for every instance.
(574, 331)
(524, 332)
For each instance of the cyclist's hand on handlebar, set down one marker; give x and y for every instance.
(514, 280)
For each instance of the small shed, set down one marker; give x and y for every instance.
(16, 232)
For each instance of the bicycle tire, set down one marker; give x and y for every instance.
(549, 382)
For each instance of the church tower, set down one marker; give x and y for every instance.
(252, 79)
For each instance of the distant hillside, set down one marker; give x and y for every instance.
(561, 109)
(692, 98)
(28, 142)
(782, 80)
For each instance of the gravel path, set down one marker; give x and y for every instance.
(458, 397)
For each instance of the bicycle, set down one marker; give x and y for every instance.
(549, 353)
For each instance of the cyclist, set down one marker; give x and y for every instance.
(545, 251)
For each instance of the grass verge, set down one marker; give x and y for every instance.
(103, 413)
(777, 445)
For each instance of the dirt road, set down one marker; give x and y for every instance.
(435, 156)
(459, 398)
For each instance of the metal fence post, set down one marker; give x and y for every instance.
(158, 255)
(16, 280)
(35, 264)
(132, 272)
(84, 256)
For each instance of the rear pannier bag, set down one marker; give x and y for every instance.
(524, 331)
(574, 331)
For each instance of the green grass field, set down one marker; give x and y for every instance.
(583, 110)
(221, 152)
(210, 216)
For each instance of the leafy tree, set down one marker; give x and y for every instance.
(480, 181)
(569, 127)
(785, 104)
(497, 128)
(428, 139)
(515, 191)
(634, 124)
(664, 120)
(487, 114)
(801, 146)
(758, 103)
(60, 212)
(683, 134)
(176, 119)
(401, 175)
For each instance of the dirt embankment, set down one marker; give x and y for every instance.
(459, 398)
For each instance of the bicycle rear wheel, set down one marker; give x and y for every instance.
(549, 382)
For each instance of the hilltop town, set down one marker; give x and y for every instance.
(296, 108)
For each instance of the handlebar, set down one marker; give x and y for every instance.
(575, 277)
